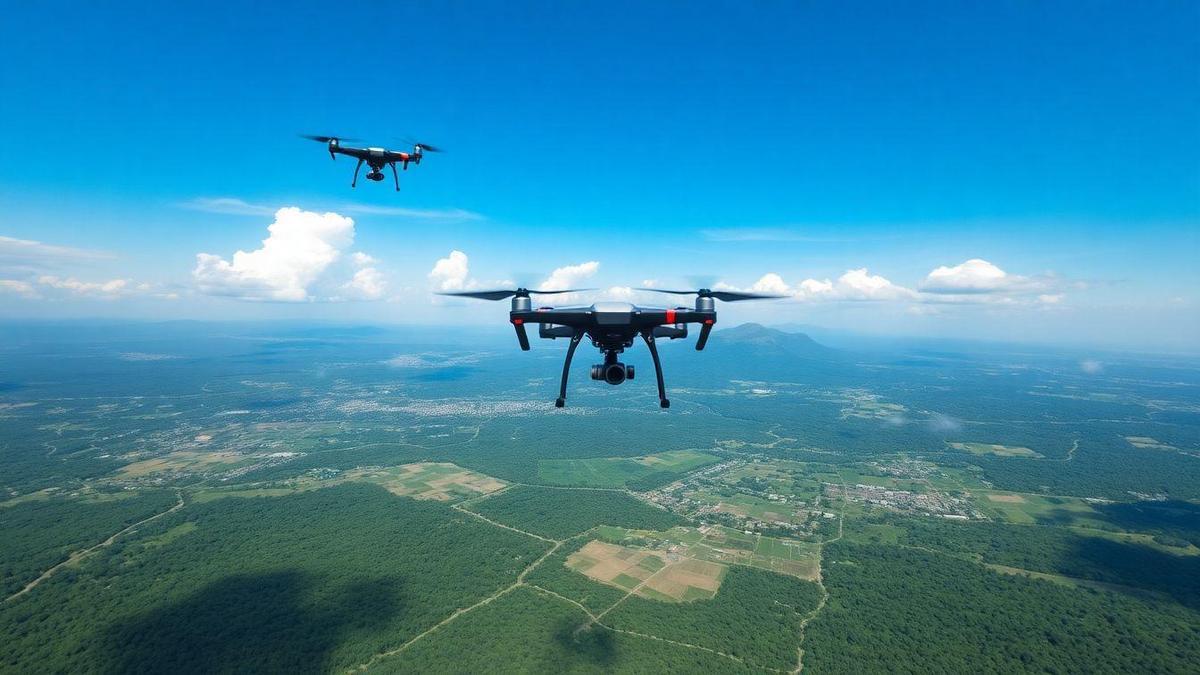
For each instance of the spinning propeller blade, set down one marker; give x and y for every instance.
(326, 139)
(501, 294)
(725, 296)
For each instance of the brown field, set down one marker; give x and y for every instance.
(179, 461)
(438, 481)
(1007, 499)
(653, 573)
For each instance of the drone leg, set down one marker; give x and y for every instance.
(562, 389)
(356, 168)
(396, 176)
(648, 336)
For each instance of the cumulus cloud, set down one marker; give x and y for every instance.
(980, 277)
(569, 276)
(298, 261)
(853, 285)
(452, 273)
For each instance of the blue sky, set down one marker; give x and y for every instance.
(1045, 156)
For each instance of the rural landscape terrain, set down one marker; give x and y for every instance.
(203, 497)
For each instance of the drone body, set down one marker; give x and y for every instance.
(612, 328)
(376, 158)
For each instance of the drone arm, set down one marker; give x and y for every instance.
(648, 336)
(705, 329)
(562, 388)
(395, 175)
(522, 336)
(356, 168)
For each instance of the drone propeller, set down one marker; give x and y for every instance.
(326, 139)
(424, 147)
(726, 296)
(507, 293)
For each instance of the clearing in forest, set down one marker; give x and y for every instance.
(440, 481)
(616, 472)
(995, 449)
(180, 461)
(658, 575)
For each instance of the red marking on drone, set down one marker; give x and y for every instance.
(518, 322)
(710, 321)
(670, 316)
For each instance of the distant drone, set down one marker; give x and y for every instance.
(375, 158)
(612, 327)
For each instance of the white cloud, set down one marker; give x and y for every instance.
(25, 256)
(451, 273)
(1051, 298)
(298, 261)
(980, 277)
(770, 283)
(110, 289)
(234, 206)
(569, 276)
(227, 206)
(860, 285)
(853, 285)
(367, 284)
(1091, 367)
(17, 287)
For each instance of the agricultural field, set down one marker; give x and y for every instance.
(390, 517)
(617, 472)
(994, 449)
(440, 481)
(659, 575)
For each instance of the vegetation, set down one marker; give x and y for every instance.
(755, 617)
(1094, 557)
(530, 632)
(614, 472)
(894, 609)
(559, 513)
(311, 582)
(39, 534)
(554, 575)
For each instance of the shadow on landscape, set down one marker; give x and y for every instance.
(1136, 565)
(595, 644)
(248, 623)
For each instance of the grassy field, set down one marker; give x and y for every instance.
(995, 449)
(440, 481)
(616, 472)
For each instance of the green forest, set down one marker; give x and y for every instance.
(312, 582)
(40, 533)
(560, 513)
(894, 609)
(527, 631)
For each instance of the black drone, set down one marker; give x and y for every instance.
(376, 158)
(612, 327)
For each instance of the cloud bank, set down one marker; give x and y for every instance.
(305, 257)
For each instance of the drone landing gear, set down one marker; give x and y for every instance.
(562, 388)
(358, 166)
(648, 336)
(395, 175)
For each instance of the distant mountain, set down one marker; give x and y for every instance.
(773, 341)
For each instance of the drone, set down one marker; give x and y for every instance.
(376, 158)
(612, 327)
